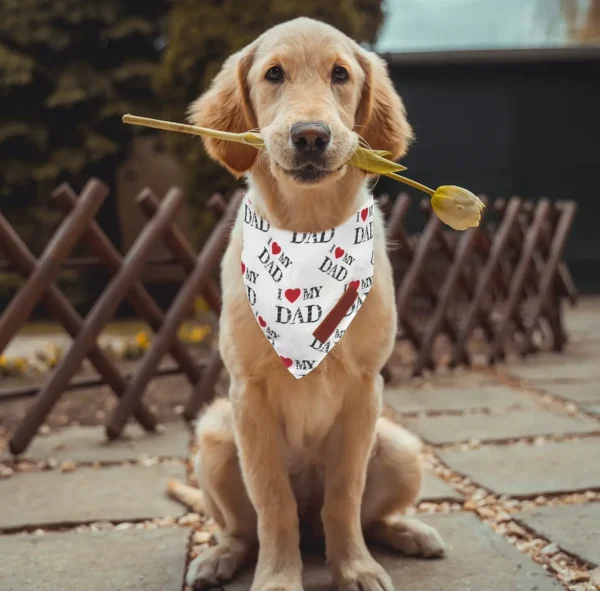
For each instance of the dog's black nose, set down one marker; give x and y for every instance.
(310, 138)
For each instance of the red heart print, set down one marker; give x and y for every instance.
(339, 252)
(243, 268)
(275, 248)
(261, 321)
(355, 285)
(292, 294)
(286, 361)
(364, 213)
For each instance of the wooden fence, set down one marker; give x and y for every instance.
(505, 278)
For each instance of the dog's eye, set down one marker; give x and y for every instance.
(274, 74)
(339, 75)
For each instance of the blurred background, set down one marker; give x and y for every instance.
(504, 98)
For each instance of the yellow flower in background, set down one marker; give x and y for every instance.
(3, 361)
(199, 333)
(142, 340)
(457, 207)
(20, 364)
(200, 305)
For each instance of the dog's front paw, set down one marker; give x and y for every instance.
(216, 565)
(363, 575)
(415, 538)
(265, 581)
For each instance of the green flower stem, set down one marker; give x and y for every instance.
(256, 141)
(410, 182)
(183, 128)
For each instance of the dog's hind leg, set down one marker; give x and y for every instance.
(224, 494)
(394, 478)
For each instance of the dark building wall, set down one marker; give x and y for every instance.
(528, 129)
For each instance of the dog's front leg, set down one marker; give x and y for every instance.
(262, 457)
(347, 455)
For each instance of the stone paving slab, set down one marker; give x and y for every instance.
(134, 560)
(557, 369)
(575, 528)
(595, 408)
(435, 489)
(459, 378)
(119, 493)
(527, 470)
(478, 560)
(490, 427)
(581, 393)
(89, 444)
(441, 399)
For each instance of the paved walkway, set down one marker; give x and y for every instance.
(513, 483)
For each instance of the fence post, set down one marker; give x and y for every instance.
(210, 255)
(519, 278)
(48, 266)
(100, 313)
(141, 300)
(63, 311)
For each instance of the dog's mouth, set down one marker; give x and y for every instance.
(310, 173)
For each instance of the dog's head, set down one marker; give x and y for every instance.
(313, 93)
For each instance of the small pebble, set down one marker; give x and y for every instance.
(189, 519)
(515, 529)
(148, 461)
(101, 526)
(578, 576)
(68, 466)
(582, 587)
(550, 549)
(5, 471)
(595, 576)
(26, 467)
(164, 521)
(202, 537)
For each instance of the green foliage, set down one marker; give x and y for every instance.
(68, 70)
(202, 34)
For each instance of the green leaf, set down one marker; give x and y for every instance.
(372, 161)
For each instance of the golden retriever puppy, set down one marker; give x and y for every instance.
(310, 449)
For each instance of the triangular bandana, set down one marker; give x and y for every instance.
(302, 283)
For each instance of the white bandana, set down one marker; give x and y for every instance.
(294, 279)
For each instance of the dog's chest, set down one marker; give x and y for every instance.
(308, 414)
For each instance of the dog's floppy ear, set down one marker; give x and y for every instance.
(381, 116)
(225, 106)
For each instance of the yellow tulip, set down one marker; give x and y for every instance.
(457, 207)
